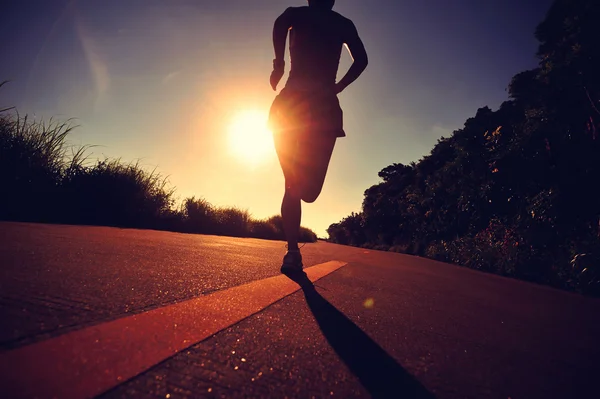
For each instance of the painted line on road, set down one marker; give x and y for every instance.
(90, 361)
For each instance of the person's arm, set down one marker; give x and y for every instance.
(280, 31)
(358, 53)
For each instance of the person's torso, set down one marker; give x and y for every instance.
(316, 41)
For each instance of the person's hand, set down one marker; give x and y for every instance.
(276, 76)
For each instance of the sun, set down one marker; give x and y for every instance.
(249, 137)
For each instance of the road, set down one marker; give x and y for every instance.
(77, 299)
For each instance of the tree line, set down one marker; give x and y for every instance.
(516, 190)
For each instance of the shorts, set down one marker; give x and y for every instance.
(300, 112)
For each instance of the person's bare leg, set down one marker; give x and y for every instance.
(291, 213)
(319, 151)
(291, 208)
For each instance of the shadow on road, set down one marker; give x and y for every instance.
(377, 371)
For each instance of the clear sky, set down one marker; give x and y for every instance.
(164, 81)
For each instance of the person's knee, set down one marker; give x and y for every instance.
(310, 194)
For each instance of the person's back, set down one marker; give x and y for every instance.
(317, 37)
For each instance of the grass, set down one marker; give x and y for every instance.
(47, 180)
(33, 161)
(200, 216)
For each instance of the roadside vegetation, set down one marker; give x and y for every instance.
(516, 191)
(47, 180)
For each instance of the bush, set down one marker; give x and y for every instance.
(277, 221)
(265, 230)
(232, 222)
(438, 251)
(199, 215)
(116, 194)
(48, 183)
(585, 276)
(307, 235)
(33, 159)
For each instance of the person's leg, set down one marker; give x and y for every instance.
(305, 167)
(316, 152)
(291, 214)
(305, 164)
(291, 208)
(304, 157)
(326, 124)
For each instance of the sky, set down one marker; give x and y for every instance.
(164, 82)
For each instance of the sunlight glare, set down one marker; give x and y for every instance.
(250, 139)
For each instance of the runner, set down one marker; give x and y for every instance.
(306, 117)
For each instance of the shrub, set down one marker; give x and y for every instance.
(438, 251)
(199, 215)
(33, 159)
(116, 194)
(265, 230)
(232, 221)
(307, 235)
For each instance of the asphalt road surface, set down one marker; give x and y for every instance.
(120, 313)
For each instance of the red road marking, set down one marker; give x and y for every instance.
(87, 362)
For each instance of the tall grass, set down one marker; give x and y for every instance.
(47, 180)
(33, 159)
(200, 216)
(117, 194)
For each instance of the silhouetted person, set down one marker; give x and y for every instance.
(306, 117)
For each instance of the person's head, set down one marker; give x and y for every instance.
(328, 4)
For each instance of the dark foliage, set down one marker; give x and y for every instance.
(515, 191)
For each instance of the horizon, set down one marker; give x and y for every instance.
(143, 86)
